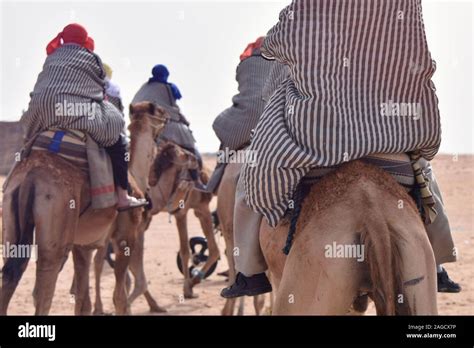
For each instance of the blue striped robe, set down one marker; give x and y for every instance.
(352, 63)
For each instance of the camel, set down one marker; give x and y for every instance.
(49, 195)
(358, 204)
(225, 212)
(157, 171)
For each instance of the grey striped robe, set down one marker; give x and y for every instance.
(234, 125)
(360, 83)
(279, 73)
(177, 130)
(69, 94)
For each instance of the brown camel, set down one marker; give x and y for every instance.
(157, 171)
(357, 205)
(225, 211)
(48, 195)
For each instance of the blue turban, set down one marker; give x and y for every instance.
(160, 74)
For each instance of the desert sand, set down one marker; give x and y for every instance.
(456, 179)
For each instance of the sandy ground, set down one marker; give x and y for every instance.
(456, 178)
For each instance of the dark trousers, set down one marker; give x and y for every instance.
(117, 154)
(194, 173)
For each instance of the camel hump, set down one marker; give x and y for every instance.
(354, 179)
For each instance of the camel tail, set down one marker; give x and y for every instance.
(385, 265)
(21, 208)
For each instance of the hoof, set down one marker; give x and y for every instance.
(99, 311)
(188, 289)
(190, 296)
(157, 309)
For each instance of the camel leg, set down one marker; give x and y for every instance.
(184, 253)
(204, 215)
(240, 310)
(99, 260)
(258, 303)
(82, 260)
(229, 242)
(54, 237)
(137, 269)
(122, 259)
(227, 231)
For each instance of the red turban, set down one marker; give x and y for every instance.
(251, 47)
(72, 33)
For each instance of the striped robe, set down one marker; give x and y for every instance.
(352, 64)
(235, 124)
(69, 94)
(177, 130)
(279, 73)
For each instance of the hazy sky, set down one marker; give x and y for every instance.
(200, 42)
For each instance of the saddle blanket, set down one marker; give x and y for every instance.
(85, 153)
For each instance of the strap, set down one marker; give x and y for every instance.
(55, 144)
(427, 199)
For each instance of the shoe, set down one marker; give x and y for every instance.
(133, 203)
(445, 284)
(248, 286)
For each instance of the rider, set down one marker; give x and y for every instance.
(329, 111)
(70, 94)
(234, 125)
(165, 94)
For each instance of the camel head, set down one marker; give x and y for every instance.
(146, 116)
(171, 161)
(147, 121)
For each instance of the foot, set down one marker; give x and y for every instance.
(248, 286)
(445, 284)
(131, 203)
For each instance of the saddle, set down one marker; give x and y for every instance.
(404, 169)
(397, 165)
(82, 151)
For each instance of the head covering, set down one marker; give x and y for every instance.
(251, 48)
(160, 74)
(108, 70)
(72, 33)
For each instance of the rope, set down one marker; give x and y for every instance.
(298, 197)
(427, 199)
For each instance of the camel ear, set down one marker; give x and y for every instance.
(131, 109)
(151, 108)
